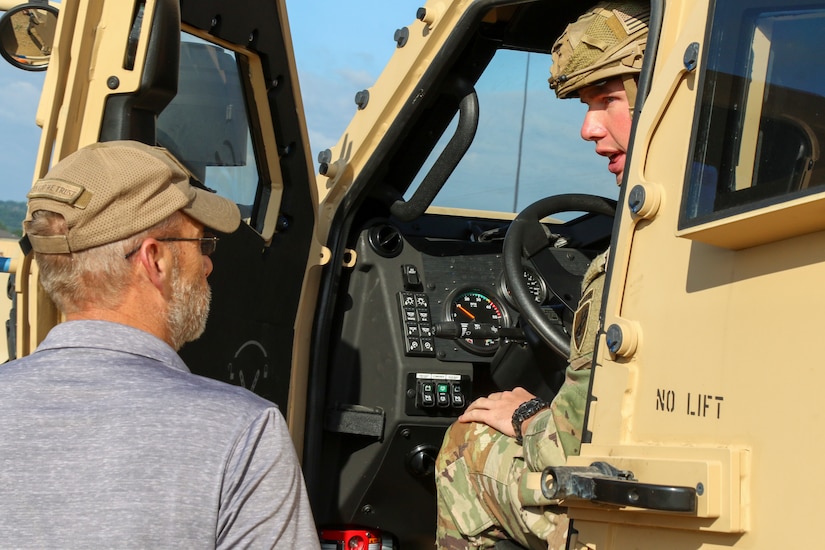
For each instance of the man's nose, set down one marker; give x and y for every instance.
(592, 127)
(207, 265)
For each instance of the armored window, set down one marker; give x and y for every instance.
(206, 124)
(760, 120)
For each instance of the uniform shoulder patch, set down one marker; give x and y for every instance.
(580, 319)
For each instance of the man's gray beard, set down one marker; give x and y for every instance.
(188, 308)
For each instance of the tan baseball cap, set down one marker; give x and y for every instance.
(110, 191)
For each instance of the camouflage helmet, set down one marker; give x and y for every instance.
(607, 41)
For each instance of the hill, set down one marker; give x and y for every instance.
(11, 216)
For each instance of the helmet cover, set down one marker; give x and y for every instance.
(605, 42)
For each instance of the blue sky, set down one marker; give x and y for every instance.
(19, 136)
(340, 48)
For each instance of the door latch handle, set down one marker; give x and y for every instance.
(603, 483)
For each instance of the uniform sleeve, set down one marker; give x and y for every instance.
(556, 432)
(263, 499)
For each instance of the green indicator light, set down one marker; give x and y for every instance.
(443, 388)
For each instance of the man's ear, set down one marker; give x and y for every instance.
(156, 261)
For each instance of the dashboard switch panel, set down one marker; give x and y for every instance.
(416, 321)
(437, 394)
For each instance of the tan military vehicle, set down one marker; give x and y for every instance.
(370, 294)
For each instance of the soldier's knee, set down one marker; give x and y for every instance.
(467, 441)
(459, 433)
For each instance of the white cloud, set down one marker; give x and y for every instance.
(329, 105)
(358, 79)
(18, 98)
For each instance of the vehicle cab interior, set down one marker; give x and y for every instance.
(425, 311)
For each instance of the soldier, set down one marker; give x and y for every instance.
(499, 437)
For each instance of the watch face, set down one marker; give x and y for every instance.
(525, 411)
(529, 408)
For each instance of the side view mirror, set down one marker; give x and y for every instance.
(27, 35)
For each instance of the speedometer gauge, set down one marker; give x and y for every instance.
(474, 306)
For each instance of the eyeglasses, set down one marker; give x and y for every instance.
(208, 244)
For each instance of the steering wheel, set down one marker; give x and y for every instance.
(527, 239)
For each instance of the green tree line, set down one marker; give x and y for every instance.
(11, 216)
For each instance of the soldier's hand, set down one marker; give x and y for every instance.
(496, 410)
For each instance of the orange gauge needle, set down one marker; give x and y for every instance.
(465, 312)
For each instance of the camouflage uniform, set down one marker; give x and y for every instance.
(481, 499)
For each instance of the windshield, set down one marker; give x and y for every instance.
(527, 145)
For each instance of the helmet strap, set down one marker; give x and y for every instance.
(630, 88)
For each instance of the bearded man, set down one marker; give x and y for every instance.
(108, 440)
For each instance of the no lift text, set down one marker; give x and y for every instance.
(693, 404)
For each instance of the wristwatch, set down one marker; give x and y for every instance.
(525, 411)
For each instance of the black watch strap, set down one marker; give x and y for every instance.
(525, 411)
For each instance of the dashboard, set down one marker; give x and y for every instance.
(429, 320)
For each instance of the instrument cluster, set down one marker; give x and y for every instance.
(462, 307)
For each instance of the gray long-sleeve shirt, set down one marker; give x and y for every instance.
(108, 441)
